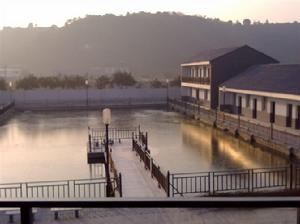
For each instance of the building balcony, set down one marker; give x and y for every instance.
(196, 80)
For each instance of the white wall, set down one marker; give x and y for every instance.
(281, 105)
(79, 96)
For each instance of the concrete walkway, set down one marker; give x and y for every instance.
(136, 181)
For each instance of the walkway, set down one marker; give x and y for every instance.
(136, 181)
(166, 216)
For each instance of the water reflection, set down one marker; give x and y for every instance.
(50, 146)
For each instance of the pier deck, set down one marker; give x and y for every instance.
(136, 181)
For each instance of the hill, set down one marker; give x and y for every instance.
(149, 45)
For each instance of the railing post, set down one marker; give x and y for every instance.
(168, 184)
(213, 183)
(252, 179)
(291, 175)
(120, 185)
(26, 215)
(132, 141)
(90, 143)
(172, 185)
(249, 179)
(157, 178)
(146, 141)
(151, 167)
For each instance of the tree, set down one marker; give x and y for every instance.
(246, 22)
(102, 81)
(123, 79)
(3, 84)
(176, 81)
(28, 82)
(156, 83)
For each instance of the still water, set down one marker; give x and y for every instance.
(52, 146)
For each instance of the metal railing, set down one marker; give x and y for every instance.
(117, 176)
(234, 181)
(156, 172)
(113, 133)
(208, 202)
(189, 183)
(64, 189)
(200, 80)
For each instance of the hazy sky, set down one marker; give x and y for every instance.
(48, 12)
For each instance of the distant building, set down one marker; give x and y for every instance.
(11, 74)
(203, 74)
(266, 93)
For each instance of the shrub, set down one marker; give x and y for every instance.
(123, 79)
(28, 82)
(3, 84)
(156, 83)
(102, 82)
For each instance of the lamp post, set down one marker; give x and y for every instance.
(106, 116)
(167, 81)
(224, 99)
(10, 89)
(87, 92)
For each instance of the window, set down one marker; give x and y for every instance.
(254, 109)
(247, 100)
(289, 115)
(206, 94)
(272, 112)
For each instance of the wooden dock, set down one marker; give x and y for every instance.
(136, 181)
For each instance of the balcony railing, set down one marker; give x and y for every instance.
(197, 80)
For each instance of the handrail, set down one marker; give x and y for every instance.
(207, 202)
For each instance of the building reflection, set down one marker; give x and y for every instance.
(225, 152)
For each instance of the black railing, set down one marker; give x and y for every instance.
(156, 172)
(83, 188)
(198, 80)
(117, 176)
(226, 181)
(209, 202)
(114, 133)
(234, 181)
(189, 183)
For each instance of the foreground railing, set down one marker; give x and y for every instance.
(208, 202)
(65, 189)
(234, 181)
(218, 182)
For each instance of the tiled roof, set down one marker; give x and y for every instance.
(209, 55)
(277, 78)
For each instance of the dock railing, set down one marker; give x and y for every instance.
(138, 145)
(117, 175)
(235, 181)
(62, 189)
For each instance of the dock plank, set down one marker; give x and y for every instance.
(136, 181)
